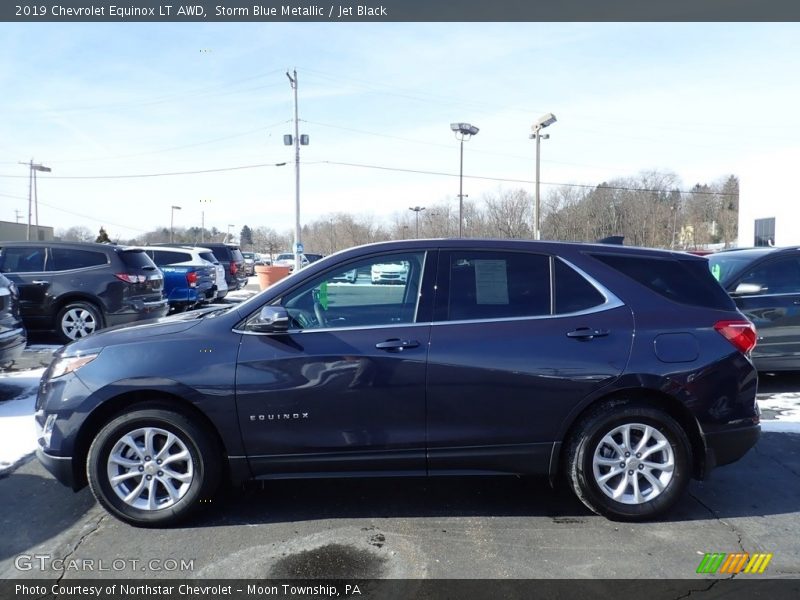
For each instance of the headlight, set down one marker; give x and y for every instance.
(70, 364)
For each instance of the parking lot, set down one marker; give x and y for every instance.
(484, 527)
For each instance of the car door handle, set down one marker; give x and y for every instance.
(39, 282)
(396, 345)
(586, 333)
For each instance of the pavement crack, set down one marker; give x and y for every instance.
(77, 545)
(724, 522)
(700, 591)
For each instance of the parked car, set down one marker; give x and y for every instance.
(12, 330)
(221, 285)
(231, 259)
(765, 284)
(77, 288)
(624, 370)
(287, 260)
(249, 262)
(189, 279)
(393, 272)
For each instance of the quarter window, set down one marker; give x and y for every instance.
(492, 285)
(66, 259)
(572, 292)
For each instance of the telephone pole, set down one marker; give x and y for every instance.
(33, 194)
(298, 248)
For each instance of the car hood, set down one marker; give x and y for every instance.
(124, 334)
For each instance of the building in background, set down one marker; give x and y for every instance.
(18, 232)
(769, 201)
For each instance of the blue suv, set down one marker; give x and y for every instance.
(625, 371)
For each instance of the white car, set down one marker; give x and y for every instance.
(287, 260)
(393, 272)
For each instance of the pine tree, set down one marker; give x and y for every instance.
(102, 237)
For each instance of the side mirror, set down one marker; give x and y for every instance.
(271, 319)
(748, 289)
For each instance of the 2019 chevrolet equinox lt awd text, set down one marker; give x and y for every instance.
(624, 370)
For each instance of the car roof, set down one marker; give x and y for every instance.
(758, 252)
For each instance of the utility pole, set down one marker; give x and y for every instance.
(203, 220)
(17, 215)
(33, 194)
(298, 248)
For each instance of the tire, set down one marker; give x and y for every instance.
(172, 493)
(76, 320)
(596, 453)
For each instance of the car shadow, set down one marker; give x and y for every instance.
(764, 482)
(779, 382)
(36, 508)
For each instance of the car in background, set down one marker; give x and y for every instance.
(231, 259)
(249, 262)
(625, 371)
(189, 278)
(77, 288)
(287, 260)
(12, 330)
(393, 272)
(221, 285)
(765, 285)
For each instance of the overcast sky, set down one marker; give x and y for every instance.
(98, 101)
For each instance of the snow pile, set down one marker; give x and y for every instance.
(17, 429)
(788, 408)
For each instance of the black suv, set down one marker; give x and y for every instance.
(78, 288)
(765, 284)
(624, 370)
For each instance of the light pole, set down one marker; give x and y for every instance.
(417, 210)
(203, 202)
(544, 121)
(463, 131)
(227, 235)
(171, 223)
(33, 193)
(298, 140)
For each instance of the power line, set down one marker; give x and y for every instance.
(104, 222)
(506, 180)
(147, 175)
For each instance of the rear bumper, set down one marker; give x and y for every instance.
(59, 466)
(12, 344)
(725, 447)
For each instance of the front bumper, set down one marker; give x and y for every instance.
(725, 447)
(60, 467)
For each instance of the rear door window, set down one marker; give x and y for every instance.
(781, 276)
(67, 259)
(497, 284)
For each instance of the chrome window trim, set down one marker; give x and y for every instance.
(780, 294)
(332, 329)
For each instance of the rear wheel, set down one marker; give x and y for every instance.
(153, 466)
(628, 461)
(77, 320)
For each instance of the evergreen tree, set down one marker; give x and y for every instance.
(102, 237)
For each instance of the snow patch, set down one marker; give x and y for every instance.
(17, 429)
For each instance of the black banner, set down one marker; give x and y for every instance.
(399, 10)
(371, 589)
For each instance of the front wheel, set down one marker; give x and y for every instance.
(152, 467)
(628, 461)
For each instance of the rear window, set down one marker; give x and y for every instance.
(222, 253)
(170, 257)
(236, 255)
(209, 256)
(136, 259)
(684, 281)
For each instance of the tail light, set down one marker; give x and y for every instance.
(130, 278)
(191, 278)
(742, 334)
(234, 268)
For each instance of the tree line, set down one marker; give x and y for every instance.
(649, 209)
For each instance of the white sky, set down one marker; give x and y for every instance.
(129, 99)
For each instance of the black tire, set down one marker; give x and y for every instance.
(76, 320)
(202, 474)
(586, 445)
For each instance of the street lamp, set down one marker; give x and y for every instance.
(463, 131)
(33, 194)
(417, 210)
(171, 223)
(544, 121)
(227, 235)
(203, 202)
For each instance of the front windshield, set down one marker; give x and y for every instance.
(285, 257)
